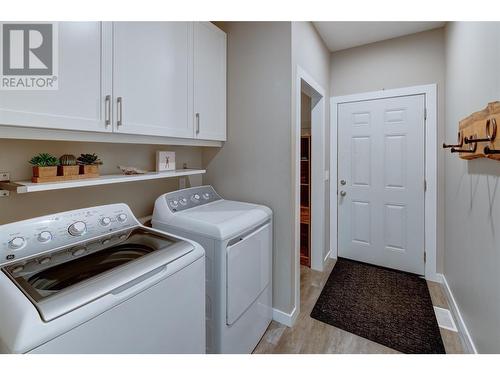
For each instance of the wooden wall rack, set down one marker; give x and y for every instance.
(478, 135)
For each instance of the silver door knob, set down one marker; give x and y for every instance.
(343, 182)
(342, 193)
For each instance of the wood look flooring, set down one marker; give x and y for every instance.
(310, 336)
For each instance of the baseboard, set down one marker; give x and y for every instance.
(436, 277)
(333, 254)
(327, 256)
(285, 318)
(462, 328)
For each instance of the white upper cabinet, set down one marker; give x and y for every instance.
(209, 82)
(84, 80)
(156, 79)
(152, 78)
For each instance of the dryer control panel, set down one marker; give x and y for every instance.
(30, 237)
(184, 199)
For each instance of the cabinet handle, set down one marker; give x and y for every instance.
(119, 104)
(107, 110)
(197, 123)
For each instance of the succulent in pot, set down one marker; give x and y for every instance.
(44, 165)
(89, 163)
(68, 166)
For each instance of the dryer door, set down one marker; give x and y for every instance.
(248, 263)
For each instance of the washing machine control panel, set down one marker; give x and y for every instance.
(36, 236)
(184, 199)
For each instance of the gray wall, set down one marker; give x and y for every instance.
(472, 230)
(140, 196)
(412, 60)
(254, 164)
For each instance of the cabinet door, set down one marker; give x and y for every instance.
(84, 80)
(209, 81)
(152, 78)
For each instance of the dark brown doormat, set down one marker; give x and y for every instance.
(390, 307)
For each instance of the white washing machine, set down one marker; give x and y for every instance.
(96, 281)
(237, 238)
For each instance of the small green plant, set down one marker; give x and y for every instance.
(89, 159)
(67, 160)
(44, 160)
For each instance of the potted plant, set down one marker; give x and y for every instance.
(68, 166)
(89, 163)
(44, 165)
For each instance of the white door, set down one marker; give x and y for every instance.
(209, 81)
(152, 78)
(84, 81)
(381, 182)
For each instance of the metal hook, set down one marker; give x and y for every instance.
(489, 151)
(472, 146)
(491, 132)
(460, 142)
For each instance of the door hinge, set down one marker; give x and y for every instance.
(425, 113)
(425, 257)
(425, 185)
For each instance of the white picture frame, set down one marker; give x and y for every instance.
(165, 161)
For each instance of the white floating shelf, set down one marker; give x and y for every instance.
(22, 187)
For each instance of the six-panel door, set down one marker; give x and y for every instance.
(84, 80)
(381, 182)
(209, 81)
(152, 78)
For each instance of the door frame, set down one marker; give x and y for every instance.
(430, 156)
(318, 181)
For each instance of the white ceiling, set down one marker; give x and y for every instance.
(342, 35)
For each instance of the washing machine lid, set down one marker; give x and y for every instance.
(79, 275)
(221, 219)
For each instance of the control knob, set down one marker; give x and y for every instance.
(17, 243)
(105, 221)
(44, 236)
(183, 201)
(121, 218)
(78, 228)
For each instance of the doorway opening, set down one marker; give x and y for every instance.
(305, 180)
(310, 247)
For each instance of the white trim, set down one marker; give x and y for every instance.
(317, 203)
(430, 94)
(20, 132)
(284, 318)
(457, 316)
(318, 120)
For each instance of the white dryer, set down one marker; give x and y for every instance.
(95, 280)
(237, 238)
